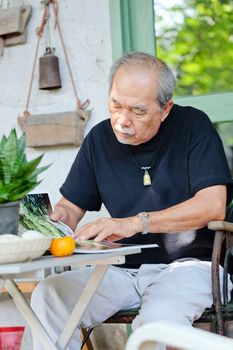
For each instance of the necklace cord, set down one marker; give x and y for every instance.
(148, 167)
(146, 176)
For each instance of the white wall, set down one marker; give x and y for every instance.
(86, 29)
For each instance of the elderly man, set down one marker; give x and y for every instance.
(161, 172)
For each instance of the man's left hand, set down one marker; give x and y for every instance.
(108, 229)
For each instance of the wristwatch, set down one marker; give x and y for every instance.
(144, 218)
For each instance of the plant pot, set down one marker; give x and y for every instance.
(9, 217)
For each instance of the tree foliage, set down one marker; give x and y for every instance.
(200, 46)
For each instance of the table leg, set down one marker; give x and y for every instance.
(29, 315)
(81, 306)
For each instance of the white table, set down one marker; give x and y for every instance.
(9, 272)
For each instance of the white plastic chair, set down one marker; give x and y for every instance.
(151, 336)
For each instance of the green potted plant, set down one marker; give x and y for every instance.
(18, 176)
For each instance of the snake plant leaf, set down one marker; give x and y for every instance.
(20, 193)
(36, 172)
(3, 141)
(21, 157)
(16, 190)
(5, 169)
(17, 175)
(9, 149)
(1, 171)
(28, 169)
(8, 155)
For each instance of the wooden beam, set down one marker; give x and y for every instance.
(132, 26)
(219, 107)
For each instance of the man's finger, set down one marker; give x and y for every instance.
(55, 216)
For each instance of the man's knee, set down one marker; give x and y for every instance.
(159, 312)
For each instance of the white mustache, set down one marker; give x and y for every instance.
(124, 130)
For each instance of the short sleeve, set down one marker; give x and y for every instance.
(80, 186)
(207, 161)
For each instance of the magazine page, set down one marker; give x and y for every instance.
(65, 229)
(34, 215)
(91, 246)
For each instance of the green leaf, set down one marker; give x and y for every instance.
(37, 171)
(5, 169)
(21, 157)
(22, 191)
(9, 149)
(17, 175)
(197, 44)
(28, 168)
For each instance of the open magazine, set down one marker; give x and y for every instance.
(34, 215)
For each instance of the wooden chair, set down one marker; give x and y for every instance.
(219, 318)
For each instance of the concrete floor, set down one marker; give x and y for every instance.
(105, 337)
(9, 316)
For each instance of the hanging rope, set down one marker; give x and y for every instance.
(80, 105)
(39, 31)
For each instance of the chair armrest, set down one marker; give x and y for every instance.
(220, 226)
(150, 335)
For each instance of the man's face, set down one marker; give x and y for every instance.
(135, 115)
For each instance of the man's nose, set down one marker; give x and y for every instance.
(124, 117)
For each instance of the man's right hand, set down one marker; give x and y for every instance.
(59, 214)
(67, 212)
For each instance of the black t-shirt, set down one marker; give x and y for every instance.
(188, 156)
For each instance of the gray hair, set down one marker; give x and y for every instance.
(165, 77)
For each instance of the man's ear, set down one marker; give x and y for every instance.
(166, 110)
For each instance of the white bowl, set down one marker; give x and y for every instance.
(23, 249)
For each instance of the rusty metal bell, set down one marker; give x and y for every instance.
(49, 75)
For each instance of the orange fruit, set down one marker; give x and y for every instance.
(62, 246)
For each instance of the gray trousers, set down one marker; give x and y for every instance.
(177, 292)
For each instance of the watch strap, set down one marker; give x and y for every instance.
(144, 218)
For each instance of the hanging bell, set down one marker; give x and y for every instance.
(49, 75)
